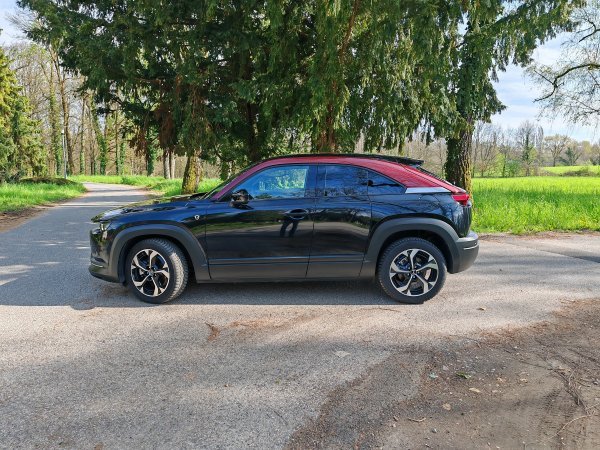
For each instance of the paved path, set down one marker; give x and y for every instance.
(84, 364)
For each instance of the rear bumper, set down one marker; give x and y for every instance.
(465, 253)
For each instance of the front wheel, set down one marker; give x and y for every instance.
(156, 270)
(411, 270)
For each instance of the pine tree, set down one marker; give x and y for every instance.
(21, 152)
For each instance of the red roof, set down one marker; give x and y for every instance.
(405, 174)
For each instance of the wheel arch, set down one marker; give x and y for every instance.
(189, 245)
(436, 231)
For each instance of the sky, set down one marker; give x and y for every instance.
(514, 89)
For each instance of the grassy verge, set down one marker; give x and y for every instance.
(159, 184)
(574, 170)
(16, 196)
(523, 205)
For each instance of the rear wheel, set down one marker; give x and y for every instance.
(156, 270)
(411, 270)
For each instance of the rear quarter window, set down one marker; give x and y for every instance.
(381, 185)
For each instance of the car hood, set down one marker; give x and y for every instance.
(154, 204)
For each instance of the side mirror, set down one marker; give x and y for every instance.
(240, 197)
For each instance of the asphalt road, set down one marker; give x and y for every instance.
(83, 364)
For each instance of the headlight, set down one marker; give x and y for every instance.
(103, 226)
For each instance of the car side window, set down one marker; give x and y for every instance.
(382, 185)
(276, 183)
(342, 181)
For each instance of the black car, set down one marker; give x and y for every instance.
(302, 217)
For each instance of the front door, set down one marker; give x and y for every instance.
(263, 228)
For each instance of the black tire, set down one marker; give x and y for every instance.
(165, 279)
(418, 284)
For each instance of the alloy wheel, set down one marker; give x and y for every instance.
(414, 272)
(150, 272)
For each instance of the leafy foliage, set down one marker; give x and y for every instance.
(235, 82)
(20, 147)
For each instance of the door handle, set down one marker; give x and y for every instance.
(296, 214)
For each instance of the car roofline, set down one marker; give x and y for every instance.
(395, 159)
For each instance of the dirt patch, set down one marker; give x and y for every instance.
(12, 219)
(530, 388)
(214, 332)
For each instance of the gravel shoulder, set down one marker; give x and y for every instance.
(84, 364)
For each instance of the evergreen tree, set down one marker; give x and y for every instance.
(21, 152)
(497, 33)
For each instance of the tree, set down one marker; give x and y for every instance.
(571, 85)
(365, 71)
(488, 140)
(572, 155)
(595, 154)
(21, 152)
(274, 73)
(496, 33)
(529, 136)
(556, 145)
(100, 138)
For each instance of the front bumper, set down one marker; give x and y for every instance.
(99, 257)
(466, 252)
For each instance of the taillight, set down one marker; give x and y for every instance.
(463, 199)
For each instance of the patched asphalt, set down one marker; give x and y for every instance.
(83, 364)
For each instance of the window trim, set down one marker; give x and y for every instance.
(310, 190)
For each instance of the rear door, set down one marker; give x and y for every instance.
(341, 221)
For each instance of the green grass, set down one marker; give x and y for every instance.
(532, 204)
(573, 170)
(159, 184)
(15, 196)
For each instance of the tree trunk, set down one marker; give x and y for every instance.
(166, 167)
(172, 163)
(66, 116)
(116, 131)
(54, 124)
(190, 175)
(254, 150)
(326, 141)
(100, 138)
(458, 162)
(82, 136)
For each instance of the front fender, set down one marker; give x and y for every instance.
(404, 227)
(178, 234)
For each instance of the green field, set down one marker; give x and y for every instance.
(522, 205)
(159, 184)
(575, 170)
(23, 195)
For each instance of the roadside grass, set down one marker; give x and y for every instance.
(16, 196)
(574, 170)
(159, 184)
(533, 204)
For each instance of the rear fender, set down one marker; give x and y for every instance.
(404, 227)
